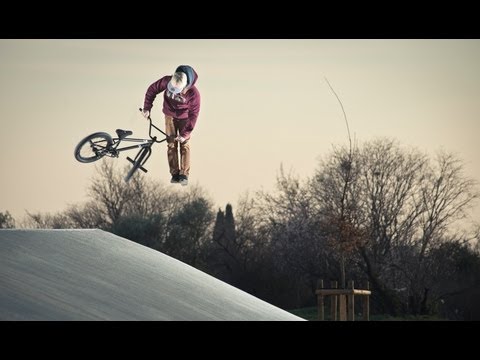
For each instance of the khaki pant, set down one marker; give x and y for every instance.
(172, 129)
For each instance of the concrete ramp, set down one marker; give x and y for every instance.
(95, 275)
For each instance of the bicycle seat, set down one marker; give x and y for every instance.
(122, 134)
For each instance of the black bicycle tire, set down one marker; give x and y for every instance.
(136, 165)
(82, 159)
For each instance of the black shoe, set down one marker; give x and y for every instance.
(183, 180)
(175, 179)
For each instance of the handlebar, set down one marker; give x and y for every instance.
(154, 138)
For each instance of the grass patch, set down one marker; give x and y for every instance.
(311, 314)
(308, 313)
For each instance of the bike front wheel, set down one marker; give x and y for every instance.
(93, 147)
(140, 159)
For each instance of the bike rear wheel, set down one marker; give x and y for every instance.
(93, 147)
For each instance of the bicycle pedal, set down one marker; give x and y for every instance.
(140, 167)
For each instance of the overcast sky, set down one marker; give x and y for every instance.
(264, 103)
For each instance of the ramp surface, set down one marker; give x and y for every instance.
(95, 275)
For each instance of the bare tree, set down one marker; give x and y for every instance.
(249, 233)
(292, 225)
(335, 189)
(391, 179)
(89, 215)
(110, 190)
(446, 195)
(47, 221)
(399, 206)
(6, 221)
(344, 233)
(188, 229)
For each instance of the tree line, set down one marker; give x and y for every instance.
(379, 212)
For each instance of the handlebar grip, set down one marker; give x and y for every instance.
(141, 110)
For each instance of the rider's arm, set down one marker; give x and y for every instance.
(153, 90)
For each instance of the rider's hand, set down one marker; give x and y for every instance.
(146, 113)
(180, 139)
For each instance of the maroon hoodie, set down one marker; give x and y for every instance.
(185, 106)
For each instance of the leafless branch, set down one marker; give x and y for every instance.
(344, 114)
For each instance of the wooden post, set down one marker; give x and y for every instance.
(342, 301)
(351, 302)
(321, 315)
(366, 304)
(333, 302)
(343, 307)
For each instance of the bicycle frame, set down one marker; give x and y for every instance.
(144, 152)
(106, 145)
(116, 142)
(114, 149)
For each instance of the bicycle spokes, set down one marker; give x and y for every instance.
(98, 146)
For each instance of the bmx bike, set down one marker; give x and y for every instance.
(100, 144)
